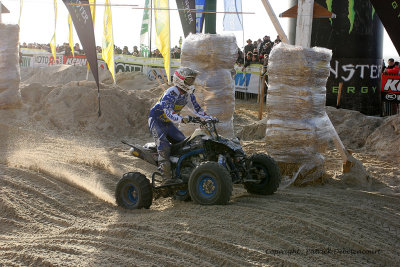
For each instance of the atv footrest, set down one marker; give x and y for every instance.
(153, 182)
(168, 185)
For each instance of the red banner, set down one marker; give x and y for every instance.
(390, 91)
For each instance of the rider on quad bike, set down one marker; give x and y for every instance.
(165, 113)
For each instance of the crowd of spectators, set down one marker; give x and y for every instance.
(256, 52)
(66, 50)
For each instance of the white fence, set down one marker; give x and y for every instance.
(247, 81)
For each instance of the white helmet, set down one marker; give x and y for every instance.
(184, 79)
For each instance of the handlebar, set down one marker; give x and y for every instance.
(208, 123)
(204, 121)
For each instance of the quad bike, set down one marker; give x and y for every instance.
(208, 165)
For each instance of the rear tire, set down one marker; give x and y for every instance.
(267, 171)
(134, 191)
(210, 184)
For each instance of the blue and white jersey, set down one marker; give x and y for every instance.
(171, 103)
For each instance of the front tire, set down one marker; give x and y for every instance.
(134, 191)
(210, 184)
(266, 170)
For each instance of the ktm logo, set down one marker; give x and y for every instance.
(392, 85)
(391, 97)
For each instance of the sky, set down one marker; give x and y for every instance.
(37, 22)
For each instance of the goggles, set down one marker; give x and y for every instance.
(189, 80)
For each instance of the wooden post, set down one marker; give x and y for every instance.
(339, 94)
(305, 13)
(158, 80)
(262, 94)
(275, 21)
(259, 88)
(1, 10)
(162, 75)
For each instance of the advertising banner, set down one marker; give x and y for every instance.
(389, 13)
(390, 91)
(233, 22)
(48, 60)
(199, 16)
(355, 38)
(188, 18)
(361, 81)
(82, 19)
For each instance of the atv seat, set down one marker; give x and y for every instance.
(177, 146)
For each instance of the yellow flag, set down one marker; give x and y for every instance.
(53, 40)
(162, 32)
(92, 4)
(70, 36)
(108, 42)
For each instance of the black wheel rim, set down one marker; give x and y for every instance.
(259, 172)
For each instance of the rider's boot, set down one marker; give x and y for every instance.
(165, 170)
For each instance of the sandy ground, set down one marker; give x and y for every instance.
(59, 166)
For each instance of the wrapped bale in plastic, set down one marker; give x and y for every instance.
(214, 56)
(298, 127)
(10, 96)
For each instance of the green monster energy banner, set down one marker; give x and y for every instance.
(389, 13)
(188, 18)
(144, 33)
(355, 37)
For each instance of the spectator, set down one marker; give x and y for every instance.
(266, 39)
(135, 52)
(177, 53)
(117, 50)
(255, 44)
(125, 51)
(249, 57)
(255, 59)
(392, 68)
(255, 51)
(277, 40)
(249, 47)
(157, 53)
(68, 51)
(259, 44)
(77, 49)
(267, 48)
(240, 58)
(265, 63)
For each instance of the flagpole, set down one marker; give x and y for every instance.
(169, 45)
(151, 26)
(112, 30)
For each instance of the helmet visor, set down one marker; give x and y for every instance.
(190, 80)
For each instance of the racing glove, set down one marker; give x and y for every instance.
(208, 117)
(187, 119)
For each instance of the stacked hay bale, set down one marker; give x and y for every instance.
(10, 96)
(298, 128)
(214, 56)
